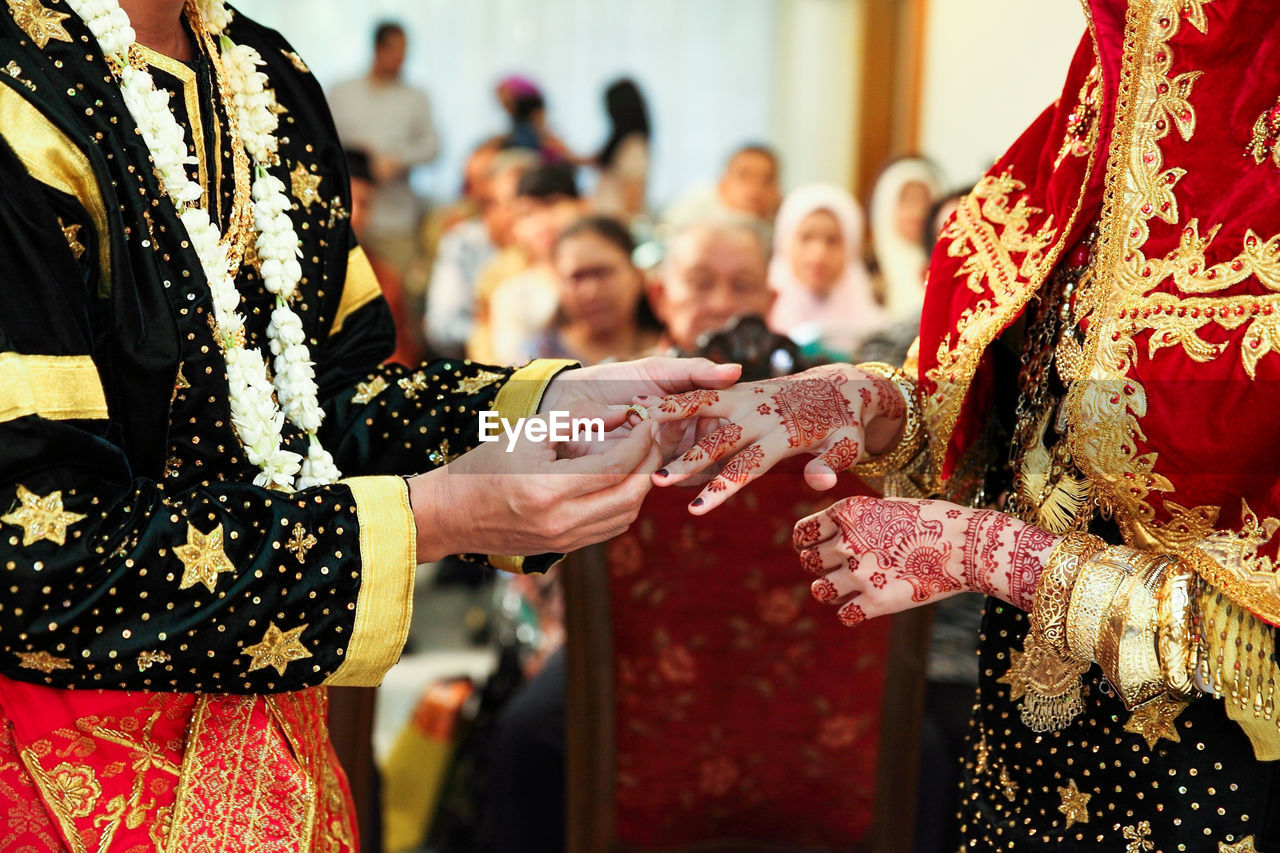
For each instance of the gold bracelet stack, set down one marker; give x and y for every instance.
(913, 434)
(1053, 589)
(1091, 599)
(1126, 649)
(1176, 642)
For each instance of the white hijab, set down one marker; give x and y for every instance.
(902, 261)
(849, 311)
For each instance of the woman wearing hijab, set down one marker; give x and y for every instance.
(899, 209)
(824, 302)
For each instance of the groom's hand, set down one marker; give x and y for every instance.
(619, 384)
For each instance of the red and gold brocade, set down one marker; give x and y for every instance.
(1173, 418)
(172, 772)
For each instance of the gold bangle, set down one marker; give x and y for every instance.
(913, 435)
(1053, 589)
(1127, 642)
(1091, 597)
(1174, 641)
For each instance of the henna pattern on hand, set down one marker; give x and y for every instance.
(982, 537)
(689, 402)
(865, 394)
(811, 560)
(714, 444)
(901, 541)
(841, 456)
(852, 615)
(1031, 547)
(738, 469)
(806, 534)
(812, 409)
(764, 409)
(878, 580)
(824, 590)
(892, 406)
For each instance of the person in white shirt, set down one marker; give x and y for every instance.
(390, 120)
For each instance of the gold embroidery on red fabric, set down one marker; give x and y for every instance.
(988, 229)
(225, 799)
(1009, 285)
(1082, 124)
(1266, 137)
(1106, 407)
(49, 791)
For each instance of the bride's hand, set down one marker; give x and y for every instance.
(836, 413)
(879, 556)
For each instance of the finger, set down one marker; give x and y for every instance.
(742, 468)
(701, 402)
(608, 467)
(835, 587)
(852, 613)
(706, 451)
(813, 529)
(823, 471)
(674, 375)
(820, 561)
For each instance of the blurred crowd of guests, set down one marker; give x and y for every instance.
(524, 264)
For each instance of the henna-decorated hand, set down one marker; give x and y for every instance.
(879, 556)
(836, 413)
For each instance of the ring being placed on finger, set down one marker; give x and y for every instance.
(639, 411)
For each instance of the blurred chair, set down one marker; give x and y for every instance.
(713, 705)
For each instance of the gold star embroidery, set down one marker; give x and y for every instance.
(1155, 720)
(72, 234)
(301, 542)
(366, 391)
(442, 454)
(1138, 838)
(413, 384)
(1244, 845)
(1013, 678)
(41, 517)
(1075, 804)
(305, 186)
(203, 558)
(472, 384)
(147, 659)
(42, 661)
(1007, 785)
(297, 61)
(278, 649)
(38, 22)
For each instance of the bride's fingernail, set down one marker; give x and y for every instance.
(696, 502)
(663, 472)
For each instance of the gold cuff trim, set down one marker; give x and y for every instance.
(50, 157)
(519, 397)
(56, 387)
(360, 288)
(388, 560)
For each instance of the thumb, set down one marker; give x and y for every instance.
(819, 475)
(707, 374)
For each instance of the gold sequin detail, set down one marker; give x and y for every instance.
(41, 517)
(278, 649)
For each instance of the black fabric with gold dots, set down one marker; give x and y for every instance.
(1169, 777)
(146, 558)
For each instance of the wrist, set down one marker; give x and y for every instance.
(431, 503)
